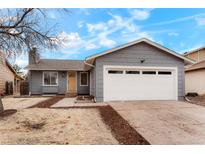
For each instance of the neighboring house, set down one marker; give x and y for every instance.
(195, 74)
(140, 70)
(197, 55)
(8, 74)
(195, 78)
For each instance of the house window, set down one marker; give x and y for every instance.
(50, 78)
(115, 72)
(149, 72)
(132, 72)
(83, 78)
(164, 73)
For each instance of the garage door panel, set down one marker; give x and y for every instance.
(139, 86)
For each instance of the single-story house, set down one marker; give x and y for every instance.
(139, 70)
(8, 74)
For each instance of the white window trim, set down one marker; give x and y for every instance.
(80, 79)
(43, 79)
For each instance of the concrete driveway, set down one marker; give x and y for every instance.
(165, 122)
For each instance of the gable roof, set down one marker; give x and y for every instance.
(195, 50)
(5, 60)
(54, 64)
(196, 66)
(186, 60)
(12, 69)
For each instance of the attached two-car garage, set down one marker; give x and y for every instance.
(140, 83)
(139, 70)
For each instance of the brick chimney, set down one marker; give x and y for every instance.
(34, 56)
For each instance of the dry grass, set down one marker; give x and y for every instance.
(21, 103)
(55, 126)
(30, 125)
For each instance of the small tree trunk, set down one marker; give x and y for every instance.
(1, 106)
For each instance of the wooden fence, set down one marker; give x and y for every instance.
(24, 88)
(9, 88)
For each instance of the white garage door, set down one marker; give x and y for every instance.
(144, 83)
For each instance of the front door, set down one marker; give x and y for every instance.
(72, 83)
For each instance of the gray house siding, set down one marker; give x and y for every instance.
(83, 90)
(131, 56)
(36, 85)
(92, 82)
(50, 89)
(62, 82)
(35, 82)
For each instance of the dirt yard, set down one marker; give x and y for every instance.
(21, 103)
(54, 126)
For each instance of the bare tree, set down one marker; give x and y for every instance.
(23, 29)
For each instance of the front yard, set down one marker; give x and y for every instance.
(171, 122)
(55, 126)
(37, 123)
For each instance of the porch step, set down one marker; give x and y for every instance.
(71, 94)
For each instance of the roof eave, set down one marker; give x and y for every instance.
(192, 51)
(186, 60)
(196, 69)
(12, 69)
(33, 69)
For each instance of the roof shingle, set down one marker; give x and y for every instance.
(53, 64)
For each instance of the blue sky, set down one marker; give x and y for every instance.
(88, 31)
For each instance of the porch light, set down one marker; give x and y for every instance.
(142, 60)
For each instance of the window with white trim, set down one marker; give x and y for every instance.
(132, 72)
(115, 72)
(165, 73)
(50, 78)
(83, 78)
(149, 72)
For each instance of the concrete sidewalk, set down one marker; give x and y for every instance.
(70, 103)
(65, 102)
